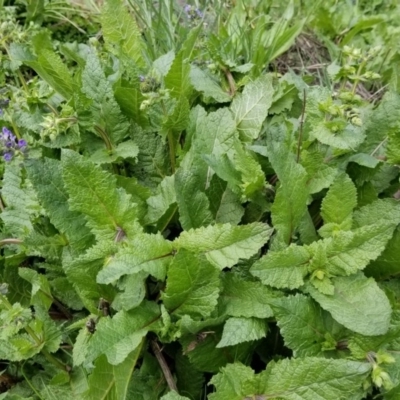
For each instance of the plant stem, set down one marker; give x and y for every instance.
(171, 145)
(301, 126)
(164, 366)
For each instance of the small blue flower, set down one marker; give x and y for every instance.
(142, 78)
(199, 13)
(187, 8)
(22, 143)
(7, 156)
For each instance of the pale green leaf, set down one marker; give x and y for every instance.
(111, 381)
(144, 252)
(320, 174)
(337, 206)
(305, 326)
(250, 108)
(118, 336)
(124, 150)
(315, 378)
(121, 31)
(223, 244)
(206, 84)
(192, 286)
(51, 69)
(134, 291)
(291, 197)
(283, 269)
(178, 77)
(108, 119)
(224, 204)
(93, 192)
(239, 330)
(357, 303)
(241, 298)
(193, 203)
(81, 272)
(40, 293)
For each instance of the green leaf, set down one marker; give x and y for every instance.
(283, 269)
(41, 293)
(134, 291)
(224, 244)
(193, 203)
(117, 337)
(190, 381)
(125, 150)
(250, 108)
(206, 84)
(81, 272)
(291, 197)
(161, 202)
(241, 298)
(239, 330)
(295, 379)
(108, 120)
(121, 32)
(192, 286)
(52, 70)
(20, 202)
(178, 76)
(357, 303)
(337, 206)
(145, 252)
(93, 192)
(225, 205)
(111, 381)
(234, 382)
(46, 176)
(306, 378)
(305, 327)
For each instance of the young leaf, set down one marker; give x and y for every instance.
(223, 245)
(283, 269)
(251, 107)
(292, 194)
(145, 252)
(121, 32)
(192, 286)
(81, 272)
(337, 206)
(93, 192)
(174, 396)
(357, 303)
(206, 84)
(117, 337)
(239, 330)
(305, 327)
(111, 381)
(241, 298)
(178, 76)
(224, 204)
(105, 111)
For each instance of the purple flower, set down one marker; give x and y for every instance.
(187, 8)
(22, 143)
(7, 134)
(142, 78)
(199, 13)
(7, 156)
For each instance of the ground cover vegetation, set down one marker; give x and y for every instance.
(200, 200)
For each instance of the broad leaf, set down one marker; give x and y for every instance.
(192, 286)
(357, 303)
(251, 107)
(223, 245)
